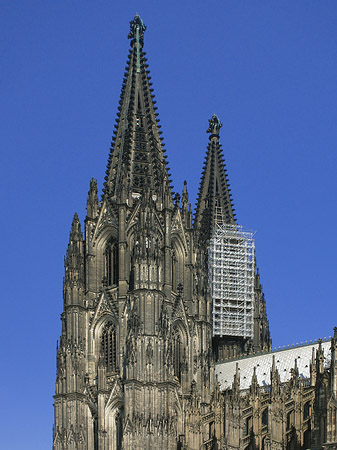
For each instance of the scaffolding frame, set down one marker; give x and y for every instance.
(231, 275)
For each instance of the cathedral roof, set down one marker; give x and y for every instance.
(284, 362)
(214, 203)
(137, 159)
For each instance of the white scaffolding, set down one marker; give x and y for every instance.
(231, 277)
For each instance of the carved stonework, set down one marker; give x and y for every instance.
(138, 366)
(214, 125)
(137, 28)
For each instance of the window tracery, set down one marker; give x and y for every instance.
(177, 352)
(174, 271)
(111, 263)
(177, 265)
(109, 347)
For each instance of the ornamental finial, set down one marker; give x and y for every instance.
(137, 29)
(214, 125)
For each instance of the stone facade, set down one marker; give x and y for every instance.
(136, 362)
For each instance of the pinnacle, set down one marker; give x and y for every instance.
(76, 226)
(75, 219)
(214, 126)
(137, 29)
(93, 184)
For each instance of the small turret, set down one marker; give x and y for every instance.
(92, 202)
(294, 382)
(236, 381)
(261, 339)
(274, 380)
(74, 265)
(74, 260)
(254, 386)
(186, 208)
(319, 358)
(333, 382)
(313, 368)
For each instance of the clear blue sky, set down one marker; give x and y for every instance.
(267, 68)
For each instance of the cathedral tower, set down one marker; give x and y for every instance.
(135, 368)
(149, 357)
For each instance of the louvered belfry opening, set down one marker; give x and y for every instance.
(111, 263)
(177, 352)
(108, 347)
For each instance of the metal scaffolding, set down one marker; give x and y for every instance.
(231, 277)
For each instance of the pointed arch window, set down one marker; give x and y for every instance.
(290, 420)
(306, 410)
(95, 432)
(111, 263)
(177, 353)
(265, 418)
(109, 347)
(174, 271)
(119, 430)
(132, 275)
(177, 265)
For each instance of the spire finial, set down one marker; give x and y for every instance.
(75, 226)
(137, 29)
(214, 125)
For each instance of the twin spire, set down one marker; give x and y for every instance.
(214, 202)
(137, 161)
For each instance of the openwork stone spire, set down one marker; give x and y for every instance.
(214, 203)
(144, 302)
(137, 161)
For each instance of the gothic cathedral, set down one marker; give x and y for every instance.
(138, 364)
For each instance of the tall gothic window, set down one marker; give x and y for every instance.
(177, 265)
(290, 420)
(265, 417)
(119, 430)
(174, 271)
(306, 410)
(109, 347)
(95, 430)
(132, 275)
(247, 426)
(111, 263)
(177, 353)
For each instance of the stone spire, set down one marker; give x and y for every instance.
(254, 385)
(274, 380)
(214, 203)
(236, 381)
(137, 161)
(333, 371)
(320, 358)
(92, 202)
(74, 261)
